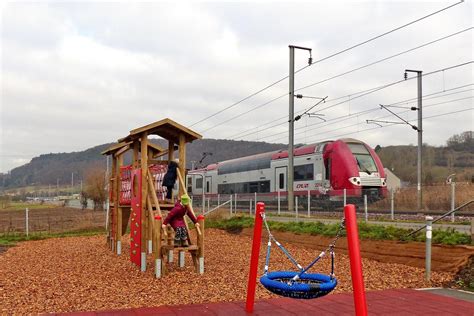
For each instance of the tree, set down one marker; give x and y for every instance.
(84, 199)
(95, 187)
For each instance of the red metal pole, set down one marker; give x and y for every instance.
(257, 239)
(355, 260)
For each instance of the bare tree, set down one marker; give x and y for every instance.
(95, 187)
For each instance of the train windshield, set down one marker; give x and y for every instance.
(365, 162)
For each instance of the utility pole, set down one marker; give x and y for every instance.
(291, 121)
(420, 136)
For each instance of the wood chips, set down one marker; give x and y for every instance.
(82, 274)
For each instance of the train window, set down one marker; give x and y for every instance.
(198, 183)
(264, 186)
(281, 181)
(245, 165)
(304, 172)
(365, 163)
(253, 186)
(327, 167)
(190, 184)
(208, 183)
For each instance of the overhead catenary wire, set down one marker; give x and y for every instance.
(364, 93)
(393, 124)
(376, 118)
(325, 58)
(350, 116)
(337, 76)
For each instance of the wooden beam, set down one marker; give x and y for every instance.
(144, 172)
(122, 150)
(152, 190)
(182, 161)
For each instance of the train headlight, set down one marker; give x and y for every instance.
(355, 180)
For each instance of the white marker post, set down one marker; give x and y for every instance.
(429, 235)
(365, 208)
(309, 203)
(278, 202)
(26, 222)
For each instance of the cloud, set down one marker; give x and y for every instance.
(75, 75)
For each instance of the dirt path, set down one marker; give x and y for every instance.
(81, 274)
(444, 258)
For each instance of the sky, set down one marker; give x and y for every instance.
(76, 75)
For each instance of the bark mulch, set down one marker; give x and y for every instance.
(81, 274)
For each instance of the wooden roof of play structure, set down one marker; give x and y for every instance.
(166, 128)
(121, 147)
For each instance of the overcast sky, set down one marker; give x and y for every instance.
(78, 75)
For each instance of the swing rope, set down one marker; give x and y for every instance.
(299, 284)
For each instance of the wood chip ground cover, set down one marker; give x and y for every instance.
(81, 274)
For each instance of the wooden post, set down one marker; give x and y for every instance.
(117, 207)
(157, 256)
(144, 171)
(200, 243)
(182, 163)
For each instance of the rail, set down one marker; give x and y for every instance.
(441, 217)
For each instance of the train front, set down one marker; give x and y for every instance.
(358, 169)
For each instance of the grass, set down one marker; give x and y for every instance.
(12, 239)
(21, 206)
(366, 231)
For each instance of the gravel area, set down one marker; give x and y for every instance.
(81, 274)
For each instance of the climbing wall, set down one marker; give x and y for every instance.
(136, 216)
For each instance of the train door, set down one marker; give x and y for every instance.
(208, 187)
(280, 178)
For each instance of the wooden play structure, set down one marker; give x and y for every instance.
(137, 196)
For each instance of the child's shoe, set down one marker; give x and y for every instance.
(184, 243)
(177, 243)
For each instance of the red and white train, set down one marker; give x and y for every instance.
(324, 169)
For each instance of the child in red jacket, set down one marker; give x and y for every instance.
(176, 219)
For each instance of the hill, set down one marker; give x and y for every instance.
(438, 162)
(53, 169)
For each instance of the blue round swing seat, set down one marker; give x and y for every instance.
(308, 286)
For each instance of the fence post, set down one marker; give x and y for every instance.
(255, 198)
(392, 205)
(472, 231)
(257, 238)
(345, 197)
(218, 199)
(231, 204)
(453, 199)
(429, 234)
(26, 222)
(250, 206)
(235, 203)
(278, 202)
(365, 209)
(296, 206)
(360, 302)
(309, 203)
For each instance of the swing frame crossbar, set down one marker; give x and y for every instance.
(298, 284)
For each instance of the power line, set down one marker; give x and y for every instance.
(339, 75)
(386, 58)
(389, 125)
(325, 58)
(358, 95)
(376, 118)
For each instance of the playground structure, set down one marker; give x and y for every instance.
(301, 284)
(137, 196)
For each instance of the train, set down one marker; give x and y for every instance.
(326, 171)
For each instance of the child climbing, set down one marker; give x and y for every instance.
(176, 219)
(170, 178)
